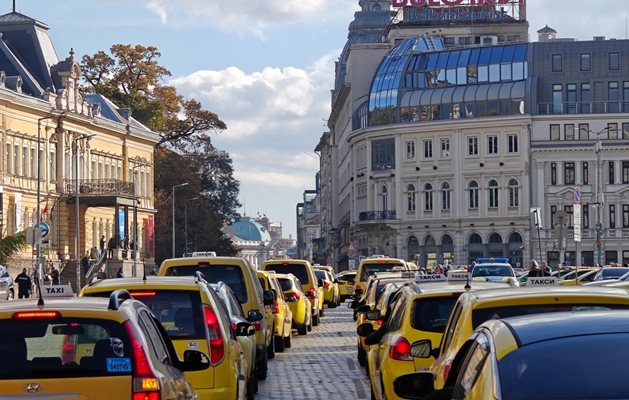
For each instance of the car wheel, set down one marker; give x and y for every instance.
(333, 304)
(303, 330)
(315, 320)
(261, 370)
(270, 349)
(251, 387)
(288, 341)
(310, 325)
(10, 295)
(362, 356)
(279, 343)
(321, 311)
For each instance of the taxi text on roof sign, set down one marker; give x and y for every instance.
(57, 291)
(446, 3)
(541, 281)
(457, 276)
(430, 278)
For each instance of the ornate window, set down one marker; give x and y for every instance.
(493, 194)
(446, 192)
(428, 204)
(473, 193)
(514, 193)
(411, 198)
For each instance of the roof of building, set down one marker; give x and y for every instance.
(247, 229)
(547, 29)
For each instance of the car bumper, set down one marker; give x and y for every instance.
(217, 393)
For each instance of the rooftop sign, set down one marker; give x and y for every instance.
(446, 3)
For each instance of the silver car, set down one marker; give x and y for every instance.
(6, 284)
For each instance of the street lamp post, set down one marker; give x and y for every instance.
(134, 234)
(40, 268)
(173, 227)
(75, 148)
(185, 219)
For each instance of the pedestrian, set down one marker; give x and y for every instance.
(54, 275)
(119, 273)
(470, 269)
(111, 245)
(101, 244)
(534, 271)
(24, 285)
(545, 270)
(85, 262)
(153, 272)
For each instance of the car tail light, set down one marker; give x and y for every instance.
(67, 350)
(257, 325)
(275, 307)
(379, 321)
(217, 347)
(292, 296)
(311, 294)
(447, 366)
(37, 315)
(145, 383)
(142, 294)
(326, 285)
(400, 349)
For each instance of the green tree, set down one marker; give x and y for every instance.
(11, 245)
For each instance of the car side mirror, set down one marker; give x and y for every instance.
(194, 360)
(363, 309)
(245, 329)
(365, 329)
(275, 294)
(416, 386)
(373, 315)
(268, 297)
(423, 349)
(254, 316)
(320, 282)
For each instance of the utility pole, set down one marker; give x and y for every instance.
(173, 227)
(598, 197)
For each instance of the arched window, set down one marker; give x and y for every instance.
(473, 200)
(428, 198)
(493, 194)
(445, 196)
(385, 198)
(514, 193)
(411, 198)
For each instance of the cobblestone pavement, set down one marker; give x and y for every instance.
(320, 365)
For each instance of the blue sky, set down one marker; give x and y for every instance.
(265, 67)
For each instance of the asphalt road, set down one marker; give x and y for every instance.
(320, 365)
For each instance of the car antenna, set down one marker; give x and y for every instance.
(40, 301)
(467, 282)
(144, 275)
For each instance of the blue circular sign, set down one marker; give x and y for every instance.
(45, 229)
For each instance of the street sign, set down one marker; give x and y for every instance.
(576, 222)
(33, 236)
(536, 213)
(577, 195)
(45, 228)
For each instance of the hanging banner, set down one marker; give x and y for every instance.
(150, 231)
(122, 222)
(18, 213)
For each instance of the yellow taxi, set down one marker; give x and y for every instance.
(373, 264)
(298, 302)
(420, 311)
(346, 284)
(282, 315)
(194, 318)
(241, 277)
(101, 349)
(474, 308)
(512, 358)
(579, 276)
(331, 293)
(302, 269)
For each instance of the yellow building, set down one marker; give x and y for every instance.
(83, 139)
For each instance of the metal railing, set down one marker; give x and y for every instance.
(96, 267)
(590, 107)
(377, 215)
(96, 187)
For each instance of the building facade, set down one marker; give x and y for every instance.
(60, 144)
(441, 143)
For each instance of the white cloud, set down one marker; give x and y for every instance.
(248, 17)
(271, 180)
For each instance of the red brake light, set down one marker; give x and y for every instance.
(37, 315)
(145, 384)
(217, 348)
(275, 307)
(142, 294)
(311, 293)
(326, 285)
(379, 321)
(257, 325)
(67, 352)
(400, 349)
(292, 296)
(446, 369)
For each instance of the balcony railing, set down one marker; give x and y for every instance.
(99, 187)
(376, 215)
(590, 107)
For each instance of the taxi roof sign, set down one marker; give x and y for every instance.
(430, 278)
(57, 291)
(458, 276)
(204, 254)
(542, 281)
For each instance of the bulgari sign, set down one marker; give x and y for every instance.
(446, 3)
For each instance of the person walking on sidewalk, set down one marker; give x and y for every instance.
(24, 285)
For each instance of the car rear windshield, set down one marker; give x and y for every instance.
(492, 270)
(179, 311)
(299, 270)
(431, 314)
(484, 314)
(581, 367)
(320, 274)
(63, 347)
(370, 269)
(214, 273)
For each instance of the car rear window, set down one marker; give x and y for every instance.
(370, 269)
(492, 270)
(179, 311)
(63, 347)
(484, 314)
(299, 270)
(214, 273)
(581, 369)
(431, 314)
(320, 274)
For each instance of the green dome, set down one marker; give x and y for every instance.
(247, 229)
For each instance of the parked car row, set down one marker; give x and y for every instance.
(217, 319)
(458, 337)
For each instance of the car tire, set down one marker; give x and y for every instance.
(262, 369)
(303, 330)
(321, 312)
(361, 356)
(251, 387)
(310, 325)
(270, 349)
(10, 295)
(333, 304)
(279, 343)
(288, 341)
(315, 320)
